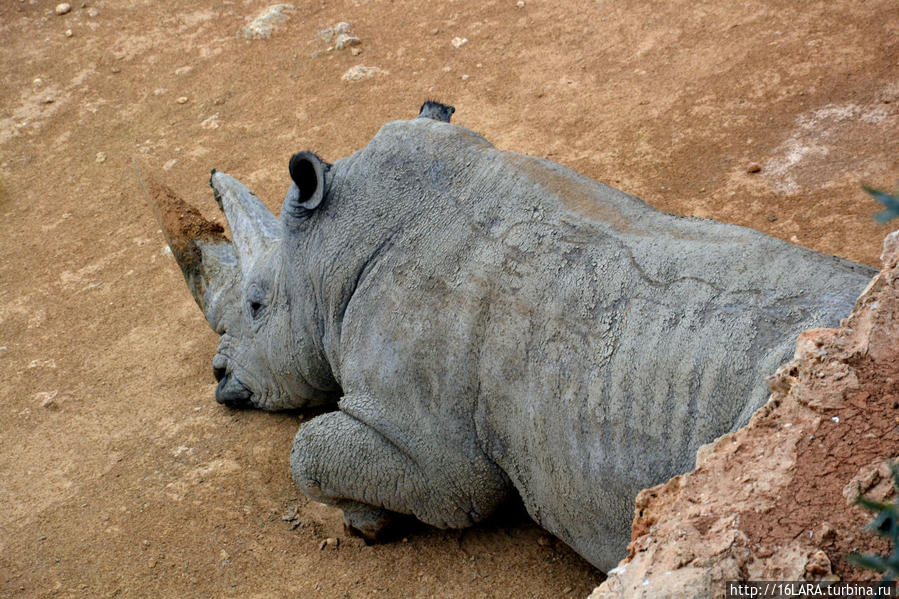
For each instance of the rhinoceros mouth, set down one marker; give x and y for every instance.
(230, 391)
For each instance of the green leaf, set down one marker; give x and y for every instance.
(869, 562)
(874, 506)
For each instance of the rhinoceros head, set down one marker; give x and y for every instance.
(253, 294)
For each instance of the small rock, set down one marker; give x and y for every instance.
(754, 168)
(818, 566)
(325, 35)
(360, 72)
(37, 81)
(345, 41)
(92, 12)
(356, 51)
(520, 4)
(69, 33)
(772, 217)
(182, 100)
(342, 27)
(211, 122)
(170, 164)
(116, 70)
(290, 515)
(458, 42)
(794, 239)
(49, 402)
(329, 542)
(151, 564)
(49, 100)
(435, 31)
(63, 8)
(101, 157)
(184, 70)
(223, 555)
(464, 77)
(261, 27)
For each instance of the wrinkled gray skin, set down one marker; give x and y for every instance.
(493, 323)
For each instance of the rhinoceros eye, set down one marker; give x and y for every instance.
(255, 301)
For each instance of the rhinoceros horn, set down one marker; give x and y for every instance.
(210, 263)
(254, 229)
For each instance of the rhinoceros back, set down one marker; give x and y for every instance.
(594, 342)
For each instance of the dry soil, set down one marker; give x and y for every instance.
(120, 474)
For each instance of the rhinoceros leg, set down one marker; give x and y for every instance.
(340, 460)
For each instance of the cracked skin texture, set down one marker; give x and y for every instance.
(581, 357)
(774, 500)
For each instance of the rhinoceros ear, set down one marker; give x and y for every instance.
(308, 189)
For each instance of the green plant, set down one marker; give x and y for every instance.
(885, 524)
(890, 201)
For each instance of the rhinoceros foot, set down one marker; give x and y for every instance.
(373, 525)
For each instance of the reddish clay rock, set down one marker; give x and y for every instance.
(774, 501)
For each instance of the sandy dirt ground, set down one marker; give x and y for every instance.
(119, 474)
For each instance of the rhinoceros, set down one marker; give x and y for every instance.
(484, 323)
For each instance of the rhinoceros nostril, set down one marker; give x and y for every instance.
(218, 372)
(232, 393)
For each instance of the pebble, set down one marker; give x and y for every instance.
(182, 100)
(520, 4)
(345, 41)
(49, 100)
(63, 8)
(101, 157)
(92, 12)
(211, 122)
(458, 42)
(69, 33)
(342, 27)
(754, 168)
(772, 218)
(356, 51)
(184, 70)
(223, 555)
(290, 515)
(261, 27)
(360, 72)
(329, 542)
(170, 164)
